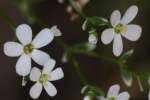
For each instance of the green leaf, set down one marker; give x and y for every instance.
(93, 91)
(98, 21)
(140, 83)
(126, 75)
(25, 6)
(126, 55)
(83, 48)
(94, 22)
(66, 56)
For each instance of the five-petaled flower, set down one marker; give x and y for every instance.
(43, 77)
(113, 94)
(121, 27)
(28, 48)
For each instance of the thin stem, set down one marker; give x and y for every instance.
(8, 20)
(79, 71)
(108, 59)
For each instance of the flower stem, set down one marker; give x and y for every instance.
(79, 71)
(7, 19)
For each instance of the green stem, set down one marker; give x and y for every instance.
(108, 59)
(79, 71)
(8, 20)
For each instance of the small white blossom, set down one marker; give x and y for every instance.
(43, 78)
(113, 94)
(92, 39)
(121, 27)
(28, 48)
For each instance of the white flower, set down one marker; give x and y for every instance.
(113, 94)
(92, 39)
(43, 77)
(121, 27)
(28, 48)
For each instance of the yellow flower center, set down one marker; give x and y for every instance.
(43, 78)
(28, 48)
(120, 28)
(112, 98)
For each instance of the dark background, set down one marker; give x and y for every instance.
(99, 73)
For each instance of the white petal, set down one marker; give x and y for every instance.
(123, 96)
(149, 95)
(149, 80)
(56, 31)
(49, 65)
(117, 45)
(56, 74)
(87, 98)
(43, 38)
(50, 89)
(40, 57)
(24, 34)
(83, 90)
(113, 91)
(13, 49)
(36, 90)
(115, 18)
(133, 33)
(23, 66)
(107, 36)
(35, 74)
(130, 14)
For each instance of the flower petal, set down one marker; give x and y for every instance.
(49, 65)
(43, 38)
(107, 36)
(36, 90)
(115, 18)
(13, 49)
(50, 89)
(35, 74)
(87, 97)
(133, 33)
(123, 96)
(117, 45)
(23, 66)
(56, 74)
(149, 95)
(130, 14)
(149, 80)
(24, 34)
(113, 91)
(40, 57)
(56, 31)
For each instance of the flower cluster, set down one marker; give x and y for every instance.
(121, 27)
(28, 49)
(113, 94)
